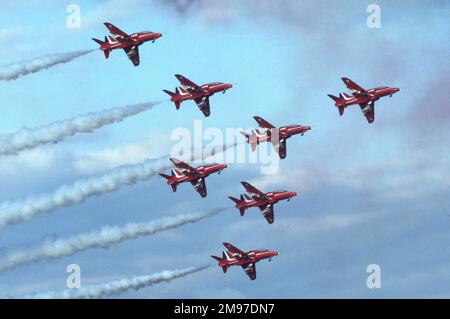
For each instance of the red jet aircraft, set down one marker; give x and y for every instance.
(277, 136)
(236, 257)
(365, 98)
(186, 173)
(200, 94)
(256, 198)
(129, 43)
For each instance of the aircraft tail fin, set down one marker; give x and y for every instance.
(220, 260)
(177, 103)
(251, 139)
(339, 102)
(99, 42)
(217, 258)
(334, 98)
(169, 92)
(241, 209)
(174, 186)
(234, 199)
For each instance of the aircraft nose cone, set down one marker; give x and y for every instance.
(159, 35)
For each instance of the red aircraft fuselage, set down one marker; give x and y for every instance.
(276, 135)
(253, 256)
(135, 39)
(271, 198)
(264, 201)
(196, 175)
(130, 43)
(364, 98)
(373, 95)
(198, 93)
(209, 89)
(203, 171)
(233, 256)
(284, 132)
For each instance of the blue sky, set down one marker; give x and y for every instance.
(369, 193)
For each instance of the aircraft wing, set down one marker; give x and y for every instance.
(263, 123)
(133, 54)
(250, 270)
(117, 32)
(200, 186)
(353, 87)
(280, 147)
(188, 84)
(203, 105)
(267, 212)
(187, 169)
(368, 110)
(233, 249)
(253, 190)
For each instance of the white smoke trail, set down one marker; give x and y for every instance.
(104, 237)
(13, 212)
(18, 69)
(118, 286)
(12, 143)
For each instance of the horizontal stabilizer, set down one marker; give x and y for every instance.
(165, 176)
(217, 258)
(251, 139)
(233, 199)
(169, 92)
(100, 42)
(334, 98)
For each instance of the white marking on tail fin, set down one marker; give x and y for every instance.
(177, 173)
(182, 91)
